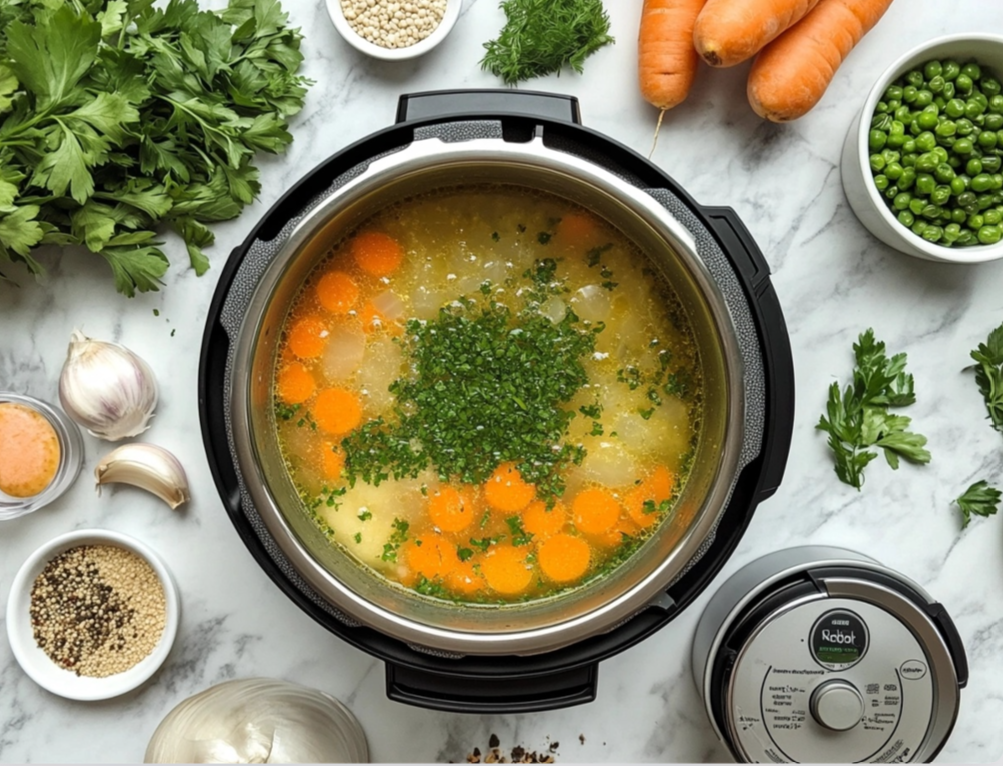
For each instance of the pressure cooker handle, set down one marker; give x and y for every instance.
(501, 694)
(778, 363)
(486, 103)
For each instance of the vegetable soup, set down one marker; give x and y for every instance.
(487, 395)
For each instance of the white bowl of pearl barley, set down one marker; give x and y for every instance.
(394, 30)
(92, 614)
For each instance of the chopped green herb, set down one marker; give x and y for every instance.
(485, 287)
(495, 236)
(649, 506)
(521, 228)
(544, 237)
(464, 553)
(596, 428)
(591, 410)
(433, 588)
(365, 515)
(594, 256)
(519, 535)
(156, 312)
(397, 538)
(358, 538)
(631, 376)
(980, 499)
(646, 414)
(484, 543)
(286, 411)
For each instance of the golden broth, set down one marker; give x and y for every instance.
(487, 395)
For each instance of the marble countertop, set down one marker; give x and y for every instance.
(833, 279)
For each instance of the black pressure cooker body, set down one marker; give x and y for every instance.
(566, 676)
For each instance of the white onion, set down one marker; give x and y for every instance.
(591, 303)
(389, 306)
(345, 349)
(554, 309)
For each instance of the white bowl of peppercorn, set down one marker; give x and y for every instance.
(394, 30)
(92, 614)
(922, 161)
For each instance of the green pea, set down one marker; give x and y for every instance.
(990, 235)
(955, 108)
(919, 227)
(924, 98)
(965, 126)
(963, 84)
(997, 181)
(907, 179)
(877, 163)
(999, 140)
(966, 237)
(973, 167)
(993, 122)
(972, 69)
(882, 108)
(961, 146)
(973, 109)
(941, 153)
(909, 146)
(906, 218)
(946, 128)
(945, 216)
(951, 232)
(982, 182)
(940, 195)
(932, 233)
(992, 216)
(991, 86)
(958, 216)
(988, 139)
(881, 122)
(964, 199)
(891, 155)
(951, 69)
(914, 128)
(949, 90)
(909, 160)
(984, 201)
(936, 84)
(902, 200)
(991, 163)
(926, 163)
(998, 198)
(933, 69)
(891, 191)
(931, 212)
(893, 91)
(903, 115)
(894, 171)
(978, 96)
(877, 139)
(916, 206)
(957, 186)
(928, 119)
(915, 77)
(925, 183)
(975, 221)
(944, 173)
(909, 93)
(893, 104)
(926, 141)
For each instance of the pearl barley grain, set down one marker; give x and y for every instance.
(97, 610)
(394, 23)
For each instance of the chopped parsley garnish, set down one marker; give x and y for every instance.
(365, 515)
(484, 543)
(358, 538)
(596, 428)
(464, 553)
(649, 506)
(594, 256)
(486, 388)
(397, 538)
(544, 237)
(591, 410)
(286, 411)
(495, 236)
(519, 535)
(433, 588)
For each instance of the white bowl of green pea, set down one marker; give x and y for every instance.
(922, 165)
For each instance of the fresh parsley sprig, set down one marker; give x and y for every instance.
(858, 418)
(989, 375)
(117, 118)
(980, 499)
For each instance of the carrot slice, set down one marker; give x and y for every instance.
(564, 558)
(464, 579)
(377, 253)
(451, 510)
(337, 411)
(431, 556)
(337, 292)
(506, 490)
(333, 462)
(595, 511)
(578, 230)
(295, 383)
(656, 488)
(506, 570)
(542, 522)
(308, 337)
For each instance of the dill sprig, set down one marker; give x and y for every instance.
(544, 36)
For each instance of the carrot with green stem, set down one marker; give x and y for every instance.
(792, 73)
(727, 32)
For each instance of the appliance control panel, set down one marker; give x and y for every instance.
(830, 680)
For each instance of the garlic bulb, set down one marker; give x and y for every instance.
(106, 388)
(258, 720)
(148, 467)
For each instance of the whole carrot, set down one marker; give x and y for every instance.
(666, 61)
(728, 32)
(791, 74)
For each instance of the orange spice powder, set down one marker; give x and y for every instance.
(29, 451)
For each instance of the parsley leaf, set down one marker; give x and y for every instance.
(989, 375)
(857, 418)
(979, 499)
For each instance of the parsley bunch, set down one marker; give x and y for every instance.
(989, 375)
(116, 117)
(544, 36)
(859, 418)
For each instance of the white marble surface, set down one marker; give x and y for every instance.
(833, 280)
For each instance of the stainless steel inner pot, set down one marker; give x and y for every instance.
(526, 628)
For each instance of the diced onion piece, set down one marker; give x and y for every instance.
(591, 303)
(345, 349)
(389, 306)
(425, 303)
(554, 309)
(608, 463)
(382, 366)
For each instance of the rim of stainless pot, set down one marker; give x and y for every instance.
(548, 635)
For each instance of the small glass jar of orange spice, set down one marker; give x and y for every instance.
(41, 452)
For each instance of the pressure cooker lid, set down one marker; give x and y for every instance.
(842, 661)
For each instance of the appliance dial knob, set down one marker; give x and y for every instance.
(837, 705)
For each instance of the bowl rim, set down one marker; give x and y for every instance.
(357, 41)
(976, 254)
(37, 665)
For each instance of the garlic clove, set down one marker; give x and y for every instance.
(148, 467)
(106, 388)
